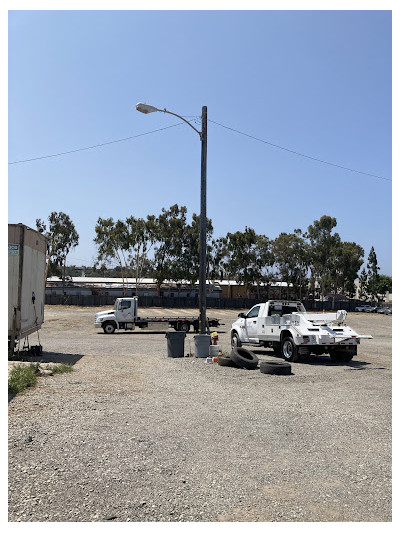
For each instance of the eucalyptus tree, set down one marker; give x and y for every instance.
(241, 257)
(189, 263)
(138, 242)
(169, 232)
(322, 250)
(61, 237)
(346, 260)
(291, 258)
(111, 241)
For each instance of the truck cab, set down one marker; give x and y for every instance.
(253, 325)
(121, 317)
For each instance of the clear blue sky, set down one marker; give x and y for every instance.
(316, 82)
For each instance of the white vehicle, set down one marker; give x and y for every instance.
(125, 316)
(292, 332)
(363, 308)
(26, 282)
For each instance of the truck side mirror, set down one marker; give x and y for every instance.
(242, 315)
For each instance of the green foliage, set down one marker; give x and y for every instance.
(317, 258)
(291, 256)
(62, 368)
(21, 377)
(242, 256)
(61, 237)
(383, 285)
(373, 275)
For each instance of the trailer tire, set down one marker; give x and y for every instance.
(244, 358)
(183, 326)
(289, 350)
(225, 360)
(235, 340)
(340, 357)
(275, 367)
(108, 328)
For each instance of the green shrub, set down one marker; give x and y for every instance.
(60, 369)
(21, 377)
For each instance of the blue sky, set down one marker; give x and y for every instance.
(315, 82)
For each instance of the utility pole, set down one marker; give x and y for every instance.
(203, 223)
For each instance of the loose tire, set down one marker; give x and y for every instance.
(235, 341)
(225, 360)
(289, 350)
(244, 358)
(109, 328)
(274, 367)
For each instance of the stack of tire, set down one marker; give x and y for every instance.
(243, 358)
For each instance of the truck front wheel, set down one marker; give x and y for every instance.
(235, 341)
(289, 350)
(109, 328)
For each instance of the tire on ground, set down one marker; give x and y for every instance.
(275, 367)
(225, 360)
(244, 358)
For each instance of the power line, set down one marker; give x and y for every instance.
(196, 121)
(95, 145)
(298, 153)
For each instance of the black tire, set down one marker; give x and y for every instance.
(342, 356)
(289, 350)
(183, 326)
(335, 357)
(225, 360)
(244, 358)
(109, 328)
(275, 367)
(235, 341)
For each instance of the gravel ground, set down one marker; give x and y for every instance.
(132, 435)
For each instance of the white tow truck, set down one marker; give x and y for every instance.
(290, 331)
(125, 316)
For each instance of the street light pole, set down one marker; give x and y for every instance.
(145, 108)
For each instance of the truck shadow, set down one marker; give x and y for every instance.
(317, 360)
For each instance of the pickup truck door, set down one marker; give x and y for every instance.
(251, 324)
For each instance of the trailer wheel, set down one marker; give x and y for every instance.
(109, 328)
(289, 350)
(275, 367)
(183, 326)
(340, 357)
(235, 341)
(244, 358)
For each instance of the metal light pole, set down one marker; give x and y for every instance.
(145, 108)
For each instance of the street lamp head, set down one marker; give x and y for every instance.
(145, 108)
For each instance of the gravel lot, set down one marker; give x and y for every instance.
(132, 435)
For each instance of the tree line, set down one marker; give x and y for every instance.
(166, 247)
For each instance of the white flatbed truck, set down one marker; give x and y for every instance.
(125, 316)
(290, 331)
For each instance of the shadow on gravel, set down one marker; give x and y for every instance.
(319, 360)
(53, 357)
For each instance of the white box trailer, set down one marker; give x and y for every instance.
(26, 283)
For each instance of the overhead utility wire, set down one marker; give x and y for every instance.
(298, 153)
(95, 145)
